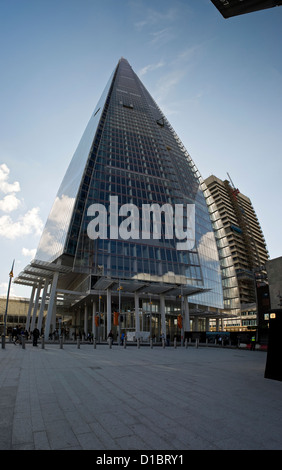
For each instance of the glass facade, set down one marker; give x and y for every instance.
(130, 155)
(54, 236)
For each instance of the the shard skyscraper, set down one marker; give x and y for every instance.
(130, 243)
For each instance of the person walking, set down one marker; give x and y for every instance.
(110, 337)
(35, 336)
(253, 343)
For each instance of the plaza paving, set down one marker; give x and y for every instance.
(146, 399)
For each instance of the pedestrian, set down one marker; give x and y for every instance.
(168, 339)
(253, 343)
(122, 338)
(111, 337)
(35, 336)
(15, 335)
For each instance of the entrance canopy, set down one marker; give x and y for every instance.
(37, 272)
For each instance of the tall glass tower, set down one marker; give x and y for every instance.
(130, 217)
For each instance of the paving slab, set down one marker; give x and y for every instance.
(117, 399)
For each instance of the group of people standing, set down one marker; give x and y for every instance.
(122, 337)
(18, 333)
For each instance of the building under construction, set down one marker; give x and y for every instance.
(244, 234)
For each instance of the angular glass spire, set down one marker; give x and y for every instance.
(130, 162)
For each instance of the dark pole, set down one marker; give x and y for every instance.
(7, 301)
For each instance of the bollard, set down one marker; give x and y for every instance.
(174, 343)
(151, 343)
(61, 342)
(94, 343)
(110, 343)
(186, 343)
(78, 343)
(3, 342)
(197, 343)
(23, 342)
(124, 343)
(138, 343)
(163, 343)
(42, 342)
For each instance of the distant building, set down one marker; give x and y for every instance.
(17, 312)
(246, 243)
(229, 8)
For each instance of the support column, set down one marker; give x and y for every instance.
(162, 311)
(78, 321)
(137, 321)
(52, 300)
(85, 320)
(73, 325)
(94, 332)
(54, 315)
(42, 306)
(109, 311)
(35, 307)
(186, 315)
(27, 325)
(207, 324)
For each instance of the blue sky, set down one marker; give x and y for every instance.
(218, 81)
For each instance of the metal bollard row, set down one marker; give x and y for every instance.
(110, 342)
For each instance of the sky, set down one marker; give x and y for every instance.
(218, 81)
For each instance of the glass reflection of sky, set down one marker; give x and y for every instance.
(53, 238)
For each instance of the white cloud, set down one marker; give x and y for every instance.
(29, 253)
(176, 72)
(150, 68)
(4, 289)
(6, 187)
(161, 37)
(29, 223)
(188, 54)
(168, 82)
(9, 203)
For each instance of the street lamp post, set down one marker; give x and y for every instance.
(6, 310)
(119, 306)
(99, 315)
